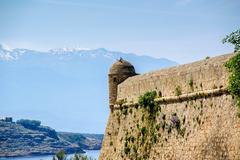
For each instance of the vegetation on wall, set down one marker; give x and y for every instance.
(178, 91)
(152, 127)
(147, 102)
(233, 65)
(138, 147)
(190, 83)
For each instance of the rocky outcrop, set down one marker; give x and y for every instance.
(85, 141)
(16, 140)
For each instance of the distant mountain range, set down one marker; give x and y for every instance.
(65, 88)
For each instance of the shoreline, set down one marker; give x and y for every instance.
(38, 154)
(43, 155)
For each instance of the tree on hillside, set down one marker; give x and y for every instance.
(233, 38)
(31, 124)
(62, 156)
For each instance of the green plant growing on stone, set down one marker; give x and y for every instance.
(190, 83)
(139, 146)
(143, 130)
(233, 65)
(157, 127)
(178, 91)
(147, 100)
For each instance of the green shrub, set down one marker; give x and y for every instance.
(146, 136)
(154, 138)
(60, 156)
(147, 99)
(233, 66)
(190, 82)
(143, 130)
(81, 157)
(31, 124)
(157, 127)
(178, 91)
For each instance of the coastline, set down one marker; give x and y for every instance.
(91, 153)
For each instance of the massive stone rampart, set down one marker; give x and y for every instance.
(205, 75)
(193, 95)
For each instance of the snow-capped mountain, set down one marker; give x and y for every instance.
(7, 54)
(62, 87)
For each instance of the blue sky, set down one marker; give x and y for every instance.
(181, 30)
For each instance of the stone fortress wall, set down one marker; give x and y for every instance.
(210, 128)
(206, 75)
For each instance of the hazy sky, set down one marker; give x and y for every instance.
(180, 30)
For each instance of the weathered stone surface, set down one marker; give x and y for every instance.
(210, 128)
(206, 75)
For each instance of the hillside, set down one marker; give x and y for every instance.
(85, 141)
(25, 138)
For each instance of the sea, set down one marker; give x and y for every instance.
(91, 153)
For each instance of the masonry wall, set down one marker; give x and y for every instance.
(209, 126)
(206, 75)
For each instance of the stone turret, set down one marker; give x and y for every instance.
(119, 72)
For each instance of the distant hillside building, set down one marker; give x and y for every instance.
(7, 119)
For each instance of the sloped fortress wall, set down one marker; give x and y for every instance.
(196, 95)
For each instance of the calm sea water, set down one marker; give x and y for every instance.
(91, 153)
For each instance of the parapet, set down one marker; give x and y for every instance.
(188, 78)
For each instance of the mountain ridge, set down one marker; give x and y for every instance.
(16, 52)
(44, 85)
